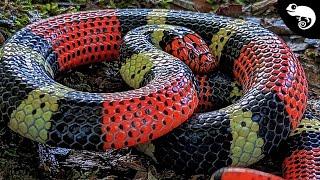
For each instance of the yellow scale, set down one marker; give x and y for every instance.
(32, 117)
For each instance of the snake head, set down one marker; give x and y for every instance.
(193, 50)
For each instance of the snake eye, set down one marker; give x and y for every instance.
(293, 6)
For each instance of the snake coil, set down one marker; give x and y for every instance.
(34, 105)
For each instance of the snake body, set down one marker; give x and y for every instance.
(301, 152)
(302, 160)
(166, 92)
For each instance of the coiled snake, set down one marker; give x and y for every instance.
(166, 92)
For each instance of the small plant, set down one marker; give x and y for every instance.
(21, 21)
(50, 9)
(53, 9)
(165, 3)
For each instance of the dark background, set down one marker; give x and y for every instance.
(292, 22)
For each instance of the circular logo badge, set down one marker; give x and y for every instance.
(302, 17)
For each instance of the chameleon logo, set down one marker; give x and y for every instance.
(305, 15)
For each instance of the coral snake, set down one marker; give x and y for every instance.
(160, 51)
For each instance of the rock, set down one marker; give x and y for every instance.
(263, 7)
(253, 19)
(48, 161)
(297, 47)
(312, 42)
(276, 25)
(299, 44)
(193, 5)
(233, 10)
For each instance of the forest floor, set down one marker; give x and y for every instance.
(22, 159)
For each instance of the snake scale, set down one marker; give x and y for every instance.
(160, 52)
